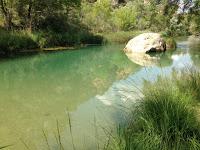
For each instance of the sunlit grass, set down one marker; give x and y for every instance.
(165, 118)
(188, 81)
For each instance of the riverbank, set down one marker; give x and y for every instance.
(167, 117)
(13, 42)
(24, 42)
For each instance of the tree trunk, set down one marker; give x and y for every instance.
(29, 15)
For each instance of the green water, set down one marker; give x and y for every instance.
(37, 91)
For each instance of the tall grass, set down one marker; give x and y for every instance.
(188, 81)
(165, 118)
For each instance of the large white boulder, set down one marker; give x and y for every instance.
(146, 42)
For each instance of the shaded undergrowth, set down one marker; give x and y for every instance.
(12, 42)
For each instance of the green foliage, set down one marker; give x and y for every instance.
(176, 28)
(31, 13)
(12, 41)
(120, 37)
(156, 16)
(164, 119)
(16, 41)
(194, 27)
(188, 81)
(97, 15)
(71, 22)
(170, 43)
(125, 17)
(43, 23)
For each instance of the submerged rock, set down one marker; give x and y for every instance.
(146, 42)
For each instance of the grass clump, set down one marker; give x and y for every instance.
(188, 81)
(164, 119)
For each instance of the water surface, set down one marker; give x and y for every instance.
(91, 83)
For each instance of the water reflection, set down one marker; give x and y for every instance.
(153, 59)
(143, 59)
(194, 46)
(36, 91)
(126, 91)
(106, 107)
(91, 83)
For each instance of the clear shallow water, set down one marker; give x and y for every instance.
(91, 83)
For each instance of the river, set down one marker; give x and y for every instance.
(90, 85)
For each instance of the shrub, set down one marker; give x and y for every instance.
(125, 17)
(170, 43)
(13, 41)
(98, 15)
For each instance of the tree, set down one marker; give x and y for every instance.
(29, 13)
(7, 12)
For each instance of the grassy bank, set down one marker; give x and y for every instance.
(12, 42)
(121, 37)
(166, 118)
(15, 41)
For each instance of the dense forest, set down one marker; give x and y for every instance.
(31, 24)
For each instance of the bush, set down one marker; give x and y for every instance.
(125, 17)
(98, 15)
(89, 38)
(194, 27)
(170, 43)
(52, 39)
(13, 41)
